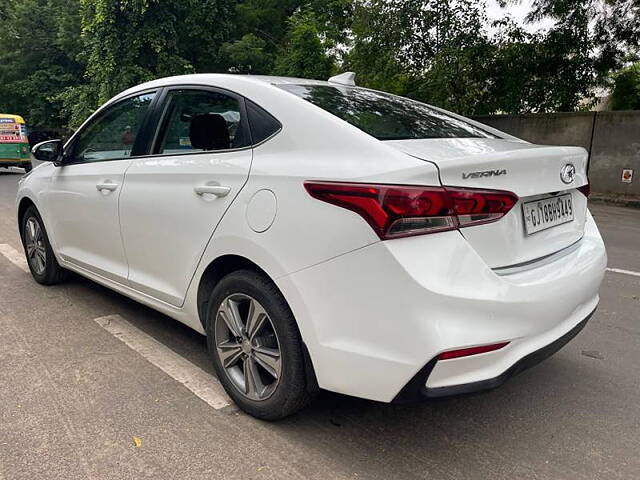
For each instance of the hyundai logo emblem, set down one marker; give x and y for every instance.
(568, 173)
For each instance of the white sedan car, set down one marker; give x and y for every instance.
(322, 235)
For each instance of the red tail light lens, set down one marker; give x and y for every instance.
(473, 207)
(395, 211)
(465, 352)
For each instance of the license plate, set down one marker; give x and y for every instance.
(547, 212)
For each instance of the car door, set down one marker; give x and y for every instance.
(82, 198)
(173, 199)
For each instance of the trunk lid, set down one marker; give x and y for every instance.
(533, 172)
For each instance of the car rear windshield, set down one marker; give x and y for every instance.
(385, 116)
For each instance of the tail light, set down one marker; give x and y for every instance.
(395, 211)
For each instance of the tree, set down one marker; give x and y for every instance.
(377, 69)
(441, 52)
(588, 40)
(304, 54)
(38, 58)
(126, 42)
(542, 71)
(247, 55)
(626, 90)
(440, 49)
(268, 24)
(611, 26)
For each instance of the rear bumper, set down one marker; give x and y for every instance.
(14, 162)
(374, 318)
(417, 388)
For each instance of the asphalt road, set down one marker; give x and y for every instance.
(72, 397)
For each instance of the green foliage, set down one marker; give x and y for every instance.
(38, 58)
(247, 55)
(377, 69)
(60, 59)
(127, 42)
(304, 54)
(267, 19)
(610, 28)
(439, 49)
(274, 21)
(626, 90)
(443, 54)
(536, 72)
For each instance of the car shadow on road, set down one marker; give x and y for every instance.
(523, 419)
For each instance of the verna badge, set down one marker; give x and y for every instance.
(486, 173)
(568, 173)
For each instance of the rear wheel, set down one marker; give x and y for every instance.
(27, 167)
(42, 262)
(255, 345)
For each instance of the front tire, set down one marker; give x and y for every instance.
(27, 167)
(256, 347)
(40, 257)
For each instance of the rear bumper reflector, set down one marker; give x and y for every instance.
(465, 352)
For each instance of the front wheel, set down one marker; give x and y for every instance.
(27, 167)
(40, 257)
(256, 347)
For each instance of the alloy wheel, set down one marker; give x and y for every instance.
(247, 346)
(34, 243)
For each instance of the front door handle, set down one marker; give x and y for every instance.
(217, 190)
(106, 186)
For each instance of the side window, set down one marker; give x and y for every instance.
(113, 134)
(262, 123)
(198, 120)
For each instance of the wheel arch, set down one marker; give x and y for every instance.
(229, 263)
(24, 204)
(215, 271)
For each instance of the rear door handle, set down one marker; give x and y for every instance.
(107, 186)
(217, 190)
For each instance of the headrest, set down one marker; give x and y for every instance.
(209, 131)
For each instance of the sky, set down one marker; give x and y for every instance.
(517, 11)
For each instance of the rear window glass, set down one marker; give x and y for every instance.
(385, 116)
(199, 120)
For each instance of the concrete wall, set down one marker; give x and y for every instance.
(612, 138)
(616, 145)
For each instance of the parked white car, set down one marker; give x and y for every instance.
(322, 235)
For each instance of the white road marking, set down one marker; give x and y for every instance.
(14, 256)
(624, 272)
(201, 383)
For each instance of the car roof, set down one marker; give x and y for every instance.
(242, 83)
(269, 79)
(16, 118)
(219, 79)
(275, 80)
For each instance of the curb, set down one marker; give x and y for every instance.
(620, 201)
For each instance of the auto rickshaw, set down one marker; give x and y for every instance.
(14, 144)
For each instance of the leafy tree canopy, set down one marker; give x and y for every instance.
(38, 57)
(304, 54)
(60, 59)
(626, 90)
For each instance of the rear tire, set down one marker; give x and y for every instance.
(37, 248)
(270, 385)
(27, 167)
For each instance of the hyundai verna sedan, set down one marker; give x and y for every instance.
(322, 235)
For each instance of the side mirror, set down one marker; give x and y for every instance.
(49, 151)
